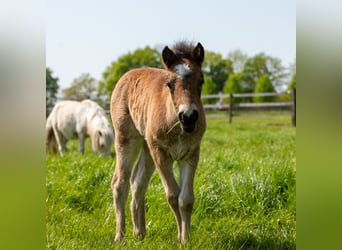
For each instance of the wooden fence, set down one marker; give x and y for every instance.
(234, 109)
(249, 108)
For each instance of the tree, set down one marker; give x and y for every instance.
(217, 68)
(233, 85)
(278, 74)
(83, 87)
(260, 65)
(254, 68)
(146, 57)
(238, 59)
(51, 90)
(292, 68)
(293, 82)
(263, 86)
(209, 88)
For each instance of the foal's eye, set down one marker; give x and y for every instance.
(200, 85)
(170, 85)
(201, 80)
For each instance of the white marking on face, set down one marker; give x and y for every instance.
(182, 70)
(188, 110)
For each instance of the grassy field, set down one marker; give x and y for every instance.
(245, 189)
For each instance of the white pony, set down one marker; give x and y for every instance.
(72, 119)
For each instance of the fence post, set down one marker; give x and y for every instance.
(230, 107)
(293, 97)
(220, 102)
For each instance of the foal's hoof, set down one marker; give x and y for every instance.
(140, 235)
(118, 239)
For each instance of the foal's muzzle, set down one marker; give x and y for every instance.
(188, 121)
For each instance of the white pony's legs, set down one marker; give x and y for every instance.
(59, 139)
(81, 139)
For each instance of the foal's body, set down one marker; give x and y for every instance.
(145, 105)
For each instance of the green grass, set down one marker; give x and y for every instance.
(245, 188)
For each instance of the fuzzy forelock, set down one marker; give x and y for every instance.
(183, 48)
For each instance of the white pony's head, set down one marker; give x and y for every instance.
(102, 141)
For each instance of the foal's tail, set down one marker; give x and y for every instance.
(51, 143)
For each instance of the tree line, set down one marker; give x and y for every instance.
(235, 73)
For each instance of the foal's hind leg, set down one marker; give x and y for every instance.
(139, 182)
(127, 150)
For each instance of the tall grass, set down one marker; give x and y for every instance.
(245, 189)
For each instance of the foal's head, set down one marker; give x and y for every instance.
(185, 60)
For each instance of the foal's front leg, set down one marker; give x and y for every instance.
(164, 165)
(186, 198)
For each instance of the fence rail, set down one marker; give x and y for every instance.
(251, 106)
(234, 109)
(245, 95)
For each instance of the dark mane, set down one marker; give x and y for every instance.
(183, 49)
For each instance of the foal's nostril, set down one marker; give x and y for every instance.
(194, 116)
(181, 116)
(184, 118)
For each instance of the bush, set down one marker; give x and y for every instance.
(264, 85)
(293, 82)
(209, 88)
(233, 85)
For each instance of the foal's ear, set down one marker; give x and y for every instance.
(169, 58)
(198, 53)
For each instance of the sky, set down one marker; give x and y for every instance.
(86, 36)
